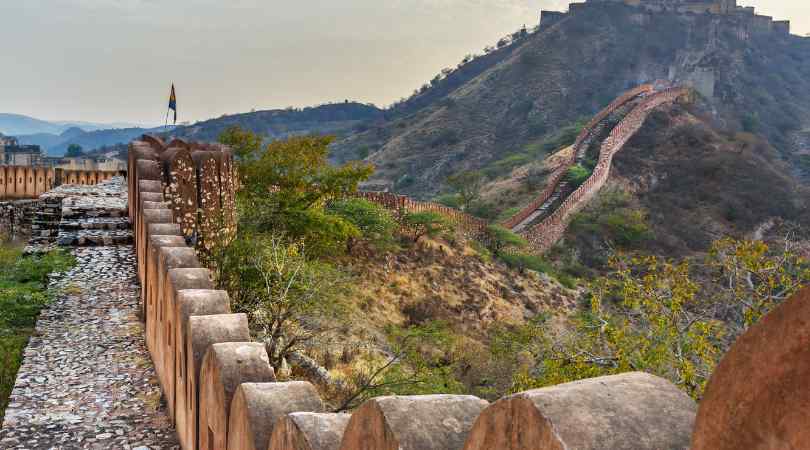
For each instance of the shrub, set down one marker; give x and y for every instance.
(376, 224)
(523, 261)
(427, 223)
(500, 239)
(577, 175)
(449, 200)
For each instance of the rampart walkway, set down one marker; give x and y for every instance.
(87, 380)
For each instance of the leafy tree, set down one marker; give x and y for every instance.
(501, 238)
(74, 151)
(754, 278)
(427, 223)
(468, 185)
(376, 224)
(286, 186)
(577, 175)
(286, 295)
(246, 145)
(652, 315)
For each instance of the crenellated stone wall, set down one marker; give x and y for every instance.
(19, 182)
(222, 392)
(219, 386)
(543, 235)
(587, 133)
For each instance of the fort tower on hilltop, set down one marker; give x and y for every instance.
(744, 15)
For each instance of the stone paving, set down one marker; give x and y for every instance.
(87, 381)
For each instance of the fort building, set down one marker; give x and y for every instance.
(744, 15)
(14, 154)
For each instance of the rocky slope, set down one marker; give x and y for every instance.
(760, 83)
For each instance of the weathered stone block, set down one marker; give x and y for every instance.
(225, 367)
(631, 411)
(257, 406)
(191, 302)
(420, 422)
(176, 281)
(202, 332)
(759, 395)
(309, 431)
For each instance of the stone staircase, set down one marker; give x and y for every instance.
(81, 216)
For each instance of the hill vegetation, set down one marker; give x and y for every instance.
(364, 301)
(555, 76)
(23, 293)
(330, 119)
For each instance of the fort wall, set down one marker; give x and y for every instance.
(740, 16)
(545, 234)
(587, 132)
(28, 182)
(222, 392)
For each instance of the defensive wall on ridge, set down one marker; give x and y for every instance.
(222, 392)
(545, 234)
(587, 133)
(551, 228)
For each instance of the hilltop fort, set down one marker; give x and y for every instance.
(745, 18)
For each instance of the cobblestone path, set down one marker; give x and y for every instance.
(87, 381)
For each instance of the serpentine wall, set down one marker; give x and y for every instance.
(587, 134)
(222, 392)
(27, 182)
(470, 226)
(543, 235)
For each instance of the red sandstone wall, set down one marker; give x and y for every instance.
(543, 235)
(470, 226)
(586, 133)
(30, 182)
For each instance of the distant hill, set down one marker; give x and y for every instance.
(17, 124)
(56, 145)
(337, 118)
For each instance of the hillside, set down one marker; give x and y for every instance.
(561, 74)
(680, 184)
(337, 119)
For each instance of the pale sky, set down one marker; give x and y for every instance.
(114, 60)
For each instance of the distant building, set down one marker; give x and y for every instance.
(14, 154)
(89, 163)
(745, 16)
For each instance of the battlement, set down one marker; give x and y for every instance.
(745, 15)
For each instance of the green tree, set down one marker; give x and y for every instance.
(286, 186)
(289, 298)
(427, 223)
(652, 315)
(500, 238)
(468, 185)
(246, 145)
(376, 224)
(74, 151)
(753, 278)
(577, 175)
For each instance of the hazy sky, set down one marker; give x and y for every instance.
(114, 60)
